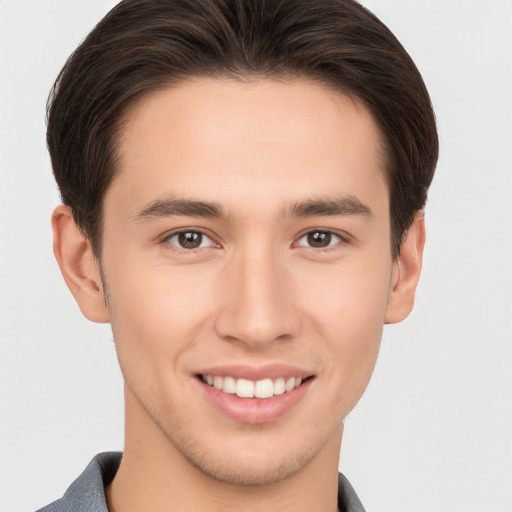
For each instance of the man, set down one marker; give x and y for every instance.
(242, 185)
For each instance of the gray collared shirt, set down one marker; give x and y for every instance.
(87, 492)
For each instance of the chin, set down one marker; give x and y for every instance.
(251, 471)
(258, 457)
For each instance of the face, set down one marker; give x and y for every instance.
(247, 264)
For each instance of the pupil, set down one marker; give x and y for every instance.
(190, 240)
(319, 239)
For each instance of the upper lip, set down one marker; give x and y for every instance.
(255, 373)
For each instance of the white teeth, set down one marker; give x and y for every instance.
(245, 388)
(279, 386)
(229, 385)
(290, 384)
(218, 382)
(264, 388)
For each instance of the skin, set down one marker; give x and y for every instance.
(254, 292)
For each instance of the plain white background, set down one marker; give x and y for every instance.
(434, 431)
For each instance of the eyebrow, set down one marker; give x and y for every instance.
(168, 207)
(326, 207)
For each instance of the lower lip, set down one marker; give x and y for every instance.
(255, 411)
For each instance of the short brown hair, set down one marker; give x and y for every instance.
(144, 45)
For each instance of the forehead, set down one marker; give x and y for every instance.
(224, 140)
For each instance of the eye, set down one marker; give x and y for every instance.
(189, 240)
(319, 239)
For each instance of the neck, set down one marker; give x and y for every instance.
(155, 476)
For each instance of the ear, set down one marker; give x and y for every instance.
(79, 267)
(406, 272)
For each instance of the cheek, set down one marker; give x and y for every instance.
(349, 298)
(347, 311)
(157, 314)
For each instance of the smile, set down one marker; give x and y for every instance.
(245, 388)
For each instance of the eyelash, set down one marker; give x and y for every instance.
(166, 239)
(331, 234)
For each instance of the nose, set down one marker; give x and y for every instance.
(259, 303)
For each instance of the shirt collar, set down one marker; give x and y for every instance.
(87, 492)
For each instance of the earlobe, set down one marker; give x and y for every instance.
(406, 272)
(78, 265)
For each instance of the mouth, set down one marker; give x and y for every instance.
(255, 396)
(245, 388)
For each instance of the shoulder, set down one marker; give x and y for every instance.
(348, 501)
(87, 492)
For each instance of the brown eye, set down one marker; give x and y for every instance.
(190, 240)
(319, 239)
